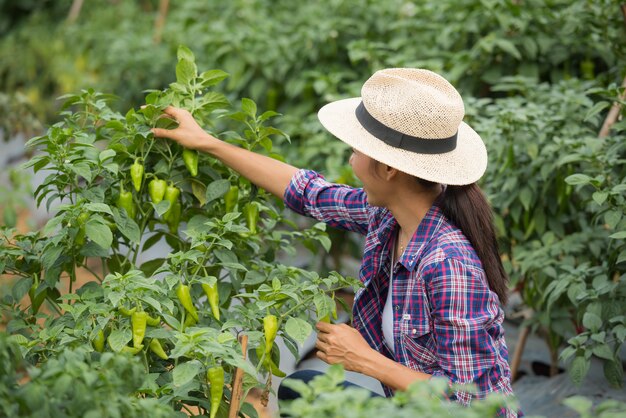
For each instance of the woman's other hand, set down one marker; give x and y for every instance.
(188, 133)
(342, 344)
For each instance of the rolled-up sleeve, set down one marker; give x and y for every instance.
(337, 205)
(463, 313)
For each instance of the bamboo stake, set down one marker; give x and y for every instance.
(613, 114)
(160, 21)
(74, 11)
(237, 385)
(519, 350)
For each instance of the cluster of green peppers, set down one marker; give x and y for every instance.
(139, 322)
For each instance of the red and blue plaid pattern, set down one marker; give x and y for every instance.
(447, 322)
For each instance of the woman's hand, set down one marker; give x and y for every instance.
(342, 344)
(188, 133)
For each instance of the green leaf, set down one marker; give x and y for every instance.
(592, 321)
(325, 241)
(525, 198)
(83, 170)
(323, 304)
(199, 191)
(127, 226)
(614, 373)
(212, 77)
(185, 372)
(216, 190)
(298, 329)
(50, 255)
(600, 197)
(578, 179)
(20, 288)
(603, 351)
(119, 338)
(597, 108)
(106, 154)
(186, 71)
(184, 52)
(578, 369)
(99, 233)
(249, 107)
(508, 47)
(99, 207)
(618, 235)
(162, 207)
(579, 404)
(612, 218)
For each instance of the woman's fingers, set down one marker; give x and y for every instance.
(176, 112)
(161, 133)
(321, 345)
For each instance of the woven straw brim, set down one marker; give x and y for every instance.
(464, 165)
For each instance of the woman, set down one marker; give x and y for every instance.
(428, 228)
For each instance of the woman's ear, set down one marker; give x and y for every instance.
(390, 173)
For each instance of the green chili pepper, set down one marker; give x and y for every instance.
(184, 296)
(251, 212)
(270, 326)
(153, 322)
(156, 190)
(80, 235)
(190, 157)
(139, 323)
(189, 322)
(157, 349)
(269, 363)
(215, 377)
(136, 174)
(132, 350)
(171, 195)
(127, 312)
(98, 341)
(36, 299)
(125, 201)
(214, 298)
(173, 218)
(230, 199)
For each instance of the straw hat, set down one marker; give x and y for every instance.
(410, 119)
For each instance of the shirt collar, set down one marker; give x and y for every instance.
(427, 229)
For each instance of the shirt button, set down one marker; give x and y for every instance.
(397, 307)
(413, 331)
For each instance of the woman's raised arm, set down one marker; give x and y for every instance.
(267, 173)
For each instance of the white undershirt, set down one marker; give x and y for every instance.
(388, 309)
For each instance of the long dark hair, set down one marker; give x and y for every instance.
(467, 207)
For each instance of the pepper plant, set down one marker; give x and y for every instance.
(115, 191)
(557, 192)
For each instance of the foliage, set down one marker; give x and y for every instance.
(101, 214)
(325, 396)
(294, 56)
(564, 242)
(76, 383)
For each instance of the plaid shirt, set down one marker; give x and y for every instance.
(446, 320)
